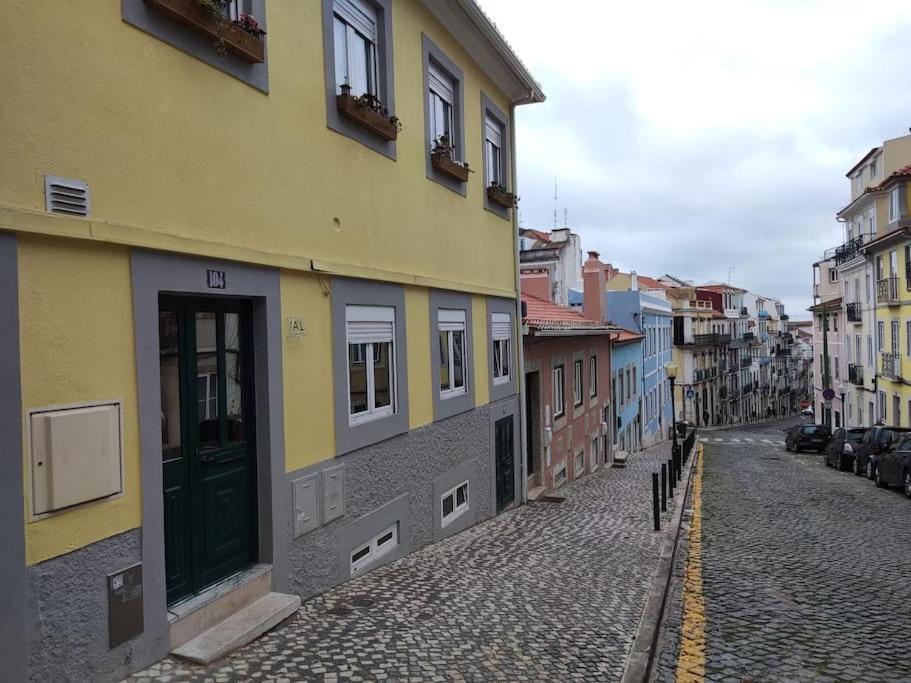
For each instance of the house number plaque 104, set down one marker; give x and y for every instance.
(215, 279)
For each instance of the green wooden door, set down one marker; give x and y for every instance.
(504, 455)
(208, 449)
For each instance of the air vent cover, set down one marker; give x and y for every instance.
(66, 196)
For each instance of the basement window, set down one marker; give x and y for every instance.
(370, 552)
(454, 503)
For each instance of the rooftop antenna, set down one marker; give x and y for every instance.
(566, 218)
(555, 202)
(730, 270)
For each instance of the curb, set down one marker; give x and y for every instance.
(642, 654)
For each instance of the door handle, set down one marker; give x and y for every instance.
(208, 459)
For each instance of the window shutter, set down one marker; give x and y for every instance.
(493, 132)
(500, 326)
(367, 324)
(440, 83)
(359, 15)
(450, 319)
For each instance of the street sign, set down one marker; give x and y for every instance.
(690, 393)
(828, 393)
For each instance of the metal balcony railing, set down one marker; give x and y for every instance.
(887, 290)
(746, 362)
(856, 374)
(747, 388)
(748, 336)
(723, 392)
(848, 250)
(891, 365)
(853, 312)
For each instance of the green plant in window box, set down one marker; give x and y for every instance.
(442, 158)
(498, 194)
(242, 37)
(368, 111)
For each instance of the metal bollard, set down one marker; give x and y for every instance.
(672, 482)
(655, 512)
(679, 473)
(663, 487)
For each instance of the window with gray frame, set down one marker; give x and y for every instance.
(577, 382)
(451, 335)
(187, 37)
(443, 112)
(357, 55)
(559, 404)
(496, 152)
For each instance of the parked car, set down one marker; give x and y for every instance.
(807, 411)
(840, 451)
(876, 441)
(807, 438)
(894, 467)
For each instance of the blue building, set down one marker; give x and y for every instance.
(626, 394)
(648, 313)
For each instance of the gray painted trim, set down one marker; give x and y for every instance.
(153, 22)
(489, 108)
(360, 292)
(368, 526)
(430, 52)
(157, 272)
(13, 573)
(467, 471)
(498, 411)
(506, 389)
(443, 408)
(334, 120)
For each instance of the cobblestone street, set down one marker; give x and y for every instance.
(549, 591)
(804, 571)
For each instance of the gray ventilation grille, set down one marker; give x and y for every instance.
(66, 196)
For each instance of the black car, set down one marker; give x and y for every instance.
(876, 441)
(894, 467)
(807, 438)
(840, 451)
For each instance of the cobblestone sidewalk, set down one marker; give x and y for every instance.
(548, 591)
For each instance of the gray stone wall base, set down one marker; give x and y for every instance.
(68, 616)
(409, 465)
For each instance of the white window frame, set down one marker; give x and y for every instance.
(894, 204)
(359, 20)
(451, 320)
(578, 375)
(211, 394)
(493, 151)
(370, 325)
(441, 102)
(558, 379)
(579, 469)
(376, 551)
(501, 334)
(457, 510)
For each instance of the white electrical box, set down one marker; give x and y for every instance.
(76, 456)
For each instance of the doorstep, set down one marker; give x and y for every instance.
(196, 615)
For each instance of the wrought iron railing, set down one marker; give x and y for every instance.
(887, 290)
(746, 362)
(856, 374)
(848, 250)
(892, 365)
(853, 312)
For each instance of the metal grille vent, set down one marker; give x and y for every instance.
(66, 196)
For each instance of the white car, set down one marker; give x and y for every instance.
(807, 411)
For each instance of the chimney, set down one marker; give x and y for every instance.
(633, 281)
(593, 288)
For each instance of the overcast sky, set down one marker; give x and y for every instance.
(690, 137)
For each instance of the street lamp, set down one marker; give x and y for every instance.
(670, 369)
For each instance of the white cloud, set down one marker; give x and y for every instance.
(722, 124)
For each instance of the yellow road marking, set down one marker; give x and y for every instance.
(691, 664)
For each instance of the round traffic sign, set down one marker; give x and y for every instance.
(690, 393)
(828, 393)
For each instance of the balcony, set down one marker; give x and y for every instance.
(891, 365)
(748, 337)
(856, 374)
(848, 250)
(712, 339)
(747, 388)
(765, 387)
(746, 362)
(887, 290)
(783, 353)
(853, 312)
(723, 393)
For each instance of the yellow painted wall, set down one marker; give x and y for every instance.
(182, 156)
(77, 346)
(481, 325)
(307, 371)
(619, 283)
(420, 379)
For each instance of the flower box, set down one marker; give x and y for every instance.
(235, 40)
(448, 167)
(500, 196)
(366, 117)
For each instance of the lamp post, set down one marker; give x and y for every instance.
(670, 369)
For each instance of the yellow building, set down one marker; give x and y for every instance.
(260, 318)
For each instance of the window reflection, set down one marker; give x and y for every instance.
(207, 379)
(169, 361)
(357, 378)
(382, 375)
(234, 378)
(444, 360)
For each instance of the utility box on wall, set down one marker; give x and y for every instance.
(76, 455)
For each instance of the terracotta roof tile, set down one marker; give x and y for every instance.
(546, 315)
(626, 336)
